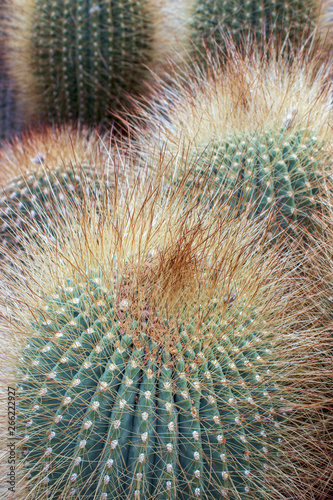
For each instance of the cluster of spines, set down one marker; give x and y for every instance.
(86, 56)
(109, 411)
(273, 168)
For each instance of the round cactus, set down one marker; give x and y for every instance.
(46, 172)
(28, 203)
(152, 366)
(75, 59)
(260, 125)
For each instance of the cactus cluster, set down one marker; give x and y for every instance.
(162, 342)
(79, 60)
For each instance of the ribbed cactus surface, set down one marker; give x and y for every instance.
(32, 201)
(265, 169)
(110, 409)
(263, 17)
(82, 54)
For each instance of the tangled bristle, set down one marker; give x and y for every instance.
(50, 147)
(167, 356)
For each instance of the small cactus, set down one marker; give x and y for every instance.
(74, 60)
(260, 124)
(153, 362)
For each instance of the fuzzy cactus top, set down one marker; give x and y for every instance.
(259, 124)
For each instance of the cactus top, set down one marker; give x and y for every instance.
(260, 123)
(113, 411)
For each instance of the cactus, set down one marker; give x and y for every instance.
(153, 360)
(9, 112)
(259, 124)
(74, 60)
(263, 17)
(28, 203)
(46, 171)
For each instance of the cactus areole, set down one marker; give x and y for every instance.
(118, 404)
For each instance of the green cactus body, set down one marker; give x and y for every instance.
(264, 17)
(34, 199)
(107, 411)
(86, 54)
(262, 170)
(9, 122)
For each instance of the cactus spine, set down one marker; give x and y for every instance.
(153, 360)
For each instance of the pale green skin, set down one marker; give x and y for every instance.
(87, 54)
(262, 18)
(182, 453)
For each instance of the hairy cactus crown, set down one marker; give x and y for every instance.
(43, 173)
(260, 122)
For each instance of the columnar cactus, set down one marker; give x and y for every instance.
(153, 362)
(260, 124)
(9, 113)
(76, 59)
